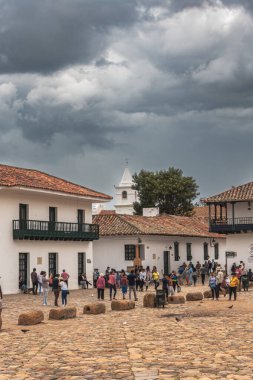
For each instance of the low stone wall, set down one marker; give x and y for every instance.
(149, 300)
(207, 294)
(66, 313)
(122, 305)
(95, 308)
(176, 299)
(196, 296)
(31, 318)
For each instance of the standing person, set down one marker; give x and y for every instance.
(34, 278)
(95, 277)
(132, 284)
(56, 288)
(203, 273)
(174, 280)
(234, 282)
(148, 277)
(64, 292)
(213, 286)
(194, 276)
(123, 284)
(65, 276)
(40, 282)
(112, 285)
(165, 285)
(170, 286)
(155, 276)
(45, 287)
(100, 284)
(142, 279)
(198, 267)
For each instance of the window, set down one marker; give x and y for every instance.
(176, 251)
(206, 256)
(216, 251)
(124, 194)
(188, 251)
(81, 220)
(129, 252)
(52, 218)
(52, 263)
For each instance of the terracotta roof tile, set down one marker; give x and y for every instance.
(167, 225)
(11, 176)
(239, 193)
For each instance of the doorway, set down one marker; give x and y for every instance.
(166, 262)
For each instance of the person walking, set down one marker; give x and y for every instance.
(123, 284)
(203, 272)
(112, 285)
(64, 291)
(100, 284)
(194, 276)
(40, 282)
(45, 287)
(34, 278)
(132, 285)
(56, 288)
(214, 286)
(234, 282)
(65, 276)
(142, 279)
(155, 276)
(148, 277)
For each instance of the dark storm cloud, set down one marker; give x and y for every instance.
(47, 35)
(86, 83)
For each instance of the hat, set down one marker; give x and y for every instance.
(101, 274)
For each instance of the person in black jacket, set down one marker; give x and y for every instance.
(56, 288)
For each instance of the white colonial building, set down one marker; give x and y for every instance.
(231, 213)
(46, 223)
(125, 195)
(164, 241)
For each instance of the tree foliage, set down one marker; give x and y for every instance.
(168, 189)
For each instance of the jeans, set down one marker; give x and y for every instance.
(35, 287)
(203, 276)
(40, 287)
(112, 287)
(56, 296)
(232, 289)
(132, 288)
(100, 293)
(45, 294)
(64, 294)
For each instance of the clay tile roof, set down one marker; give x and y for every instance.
(239, 193)
(11, 176)
(113, 225)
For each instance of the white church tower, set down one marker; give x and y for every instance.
(125, 195)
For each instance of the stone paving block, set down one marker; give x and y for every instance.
(149, 300)
(95, 308)
(122, 305)
(31, 318)
(195, 296)
(65, 313)
(176, 299)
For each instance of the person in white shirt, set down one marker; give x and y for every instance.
(143, 277)
(64, 292)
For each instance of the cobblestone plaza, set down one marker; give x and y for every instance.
(197, 340)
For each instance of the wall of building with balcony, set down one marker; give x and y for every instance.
(38, 250)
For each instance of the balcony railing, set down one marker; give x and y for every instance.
(226, 225)
(44, 230)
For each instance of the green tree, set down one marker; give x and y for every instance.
(168, 189)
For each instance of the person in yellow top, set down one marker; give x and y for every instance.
(234, 282)
(155, 276)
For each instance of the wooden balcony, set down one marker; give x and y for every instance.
(231, 225)
(44, 230)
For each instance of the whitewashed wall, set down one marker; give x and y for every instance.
(242, 244)
(110, 251)
(241, 209)
(39, 204)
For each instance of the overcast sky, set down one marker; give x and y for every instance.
(85, 84)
